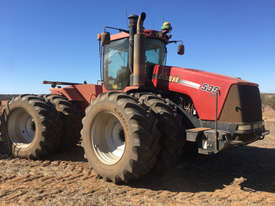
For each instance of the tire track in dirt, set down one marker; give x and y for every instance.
(243, 176)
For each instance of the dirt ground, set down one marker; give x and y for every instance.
(242, 176)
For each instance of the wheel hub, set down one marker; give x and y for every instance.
(21, 128)
(108, 140)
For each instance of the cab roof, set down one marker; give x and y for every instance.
(149, 34)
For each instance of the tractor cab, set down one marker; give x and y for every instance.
(128, 57)
(116, 55)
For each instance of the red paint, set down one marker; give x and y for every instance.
(204, 102)
(84, 93)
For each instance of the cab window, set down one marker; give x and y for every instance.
(116, 72)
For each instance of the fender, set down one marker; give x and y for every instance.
(83, 93)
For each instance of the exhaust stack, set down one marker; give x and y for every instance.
(132, 31)
(139, 53)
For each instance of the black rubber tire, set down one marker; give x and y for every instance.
(46, 135)
(171, 128)
(141, 143)
(71, 121)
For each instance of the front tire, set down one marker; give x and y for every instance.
(171, 127)
(118, 138)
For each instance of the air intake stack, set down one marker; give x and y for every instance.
(132, 31)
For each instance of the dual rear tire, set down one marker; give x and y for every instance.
(28, 126)
(70, 121)
(34, 126)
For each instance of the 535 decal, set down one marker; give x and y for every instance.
(210, 88)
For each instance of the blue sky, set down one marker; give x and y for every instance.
(56, 39)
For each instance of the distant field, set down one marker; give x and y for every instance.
(268, 96)
(268, 99)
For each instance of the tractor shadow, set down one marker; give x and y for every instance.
(75, 155)
(250, 168)
(4, 151)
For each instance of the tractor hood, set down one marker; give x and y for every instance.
(200, 86)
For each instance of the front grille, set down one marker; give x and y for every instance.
(243, 104)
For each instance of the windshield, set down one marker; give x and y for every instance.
(115, 61)
(155, 51)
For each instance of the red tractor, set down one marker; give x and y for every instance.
(141, 115)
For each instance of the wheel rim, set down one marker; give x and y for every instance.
(107, 137)
(21, 128)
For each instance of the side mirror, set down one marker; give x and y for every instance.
(180, 49)
(105, 38)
